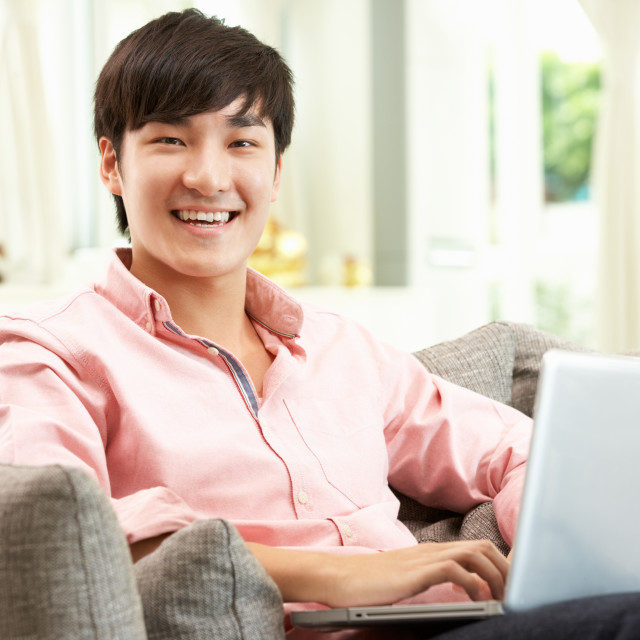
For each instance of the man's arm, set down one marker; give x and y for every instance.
(385, 577)
(375, 578)
(55, 409)
(452, 448)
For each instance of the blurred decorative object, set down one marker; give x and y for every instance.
(356, 273)
(281, 255)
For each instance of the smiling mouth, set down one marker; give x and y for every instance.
(205, 218)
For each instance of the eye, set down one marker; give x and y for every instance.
(170, 141)
(241, 144)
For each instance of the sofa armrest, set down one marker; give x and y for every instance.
(65, 567)
(203, 582)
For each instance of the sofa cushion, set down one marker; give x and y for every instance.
(65, 566)
(203, 582)
(530, 346)
(444, 526)
(481, 360)
(500, 360)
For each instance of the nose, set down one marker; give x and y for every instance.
(208, 171)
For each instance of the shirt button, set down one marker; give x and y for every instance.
(148, 327)
(347, 531)
(302, 497)
(157, 304)
(213, 351)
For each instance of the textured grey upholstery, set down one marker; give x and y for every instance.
(530, 345)
(500, 360)
(65, 568)
(202, 583)
(482, 360)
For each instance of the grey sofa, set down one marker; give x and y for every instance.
(65, 569)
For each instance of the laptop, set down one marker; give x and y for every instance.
(578, 518)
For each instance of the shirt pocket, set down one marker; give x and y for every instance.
(346, 435)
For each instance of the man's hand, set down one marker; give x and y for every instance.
(386, 577)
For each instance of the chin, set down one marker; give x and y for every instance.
(217, 271)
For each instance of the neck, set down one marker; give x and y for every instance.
(212, 308)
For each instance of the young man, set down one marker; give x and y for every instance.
(191, 387)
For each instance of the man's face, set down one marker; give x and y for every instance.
(197, 193)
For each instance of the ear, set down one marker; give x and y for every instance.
(109, 173)
(276, 180)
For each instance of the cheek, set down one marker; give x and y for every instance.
(257, 180)
(148, 183)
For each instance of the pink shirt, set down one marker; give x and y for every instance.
(170, 426)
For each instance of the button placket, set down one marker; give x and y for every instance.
(303, 504)
(301, 496)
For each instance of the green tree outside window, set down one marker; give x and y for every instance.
(570, 97)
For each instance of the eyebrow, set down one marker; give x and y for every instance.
(240, 120)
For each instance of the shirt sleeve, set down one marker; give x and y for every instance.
(452, 448)
(56, 409)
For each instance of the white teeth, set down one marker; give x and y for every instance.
(221, 217)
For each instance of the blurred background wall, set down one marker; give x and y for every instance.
(442, 172)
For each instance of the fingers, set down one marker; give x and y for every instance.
(465, 581)
(472, 564)
(390, 576)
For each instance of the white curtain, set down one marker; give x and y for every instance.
(29, 217)
(617, 172)
(518, 157)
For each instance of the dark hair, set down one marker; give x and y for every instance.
(186, 63)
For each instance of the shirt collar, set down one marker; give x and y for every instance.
(266, 302)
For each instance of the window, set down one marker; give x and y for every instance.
(565, 274)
